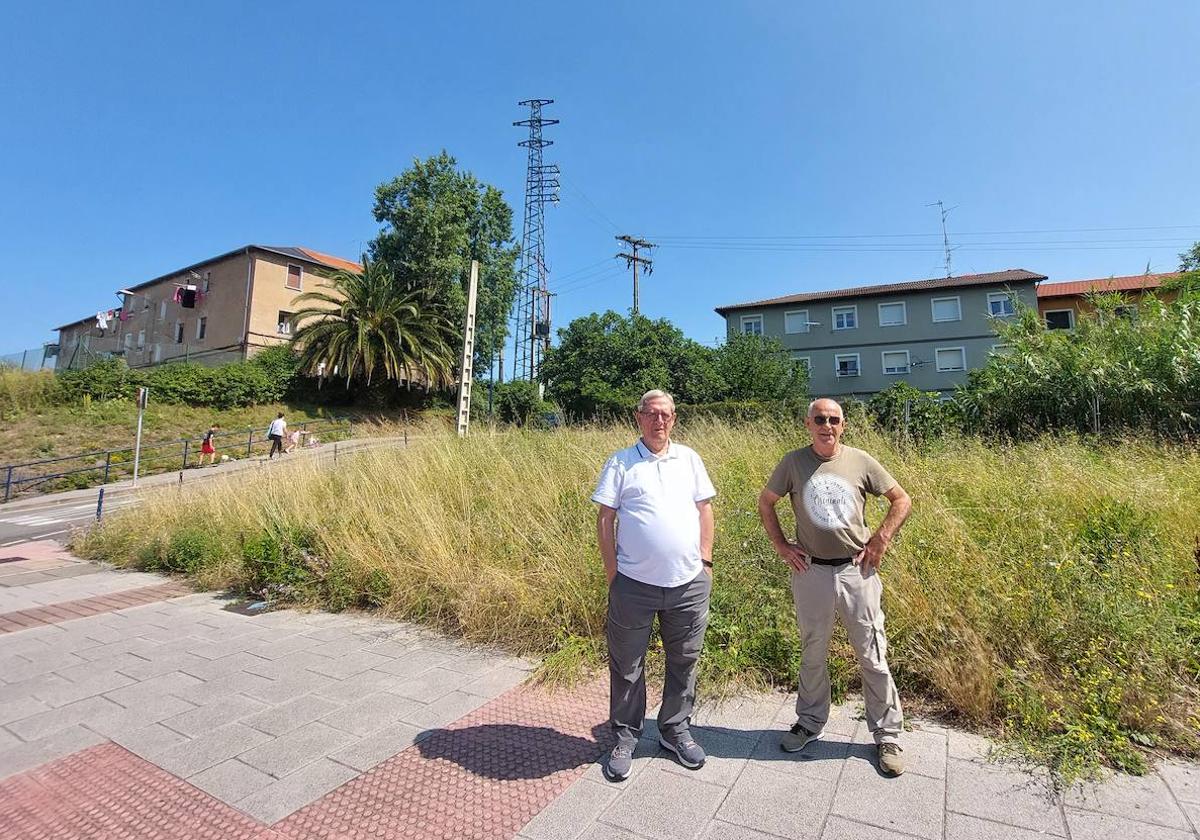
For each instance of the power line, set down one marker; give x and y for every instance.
(927, 235)
(633, 261)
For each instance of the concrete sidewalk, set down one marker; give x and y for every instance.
(129, 710)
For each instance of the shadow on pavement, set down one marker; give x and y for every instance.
(507, 751)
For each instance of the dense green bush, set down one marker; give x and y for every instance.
(907, 411)
(279, 565)
(519, 402)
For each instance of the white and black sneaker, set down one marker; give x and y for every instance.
(688, 752)
(797, 738)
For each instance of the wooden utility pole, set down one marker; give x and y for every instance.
(633, 260)
(468, 356)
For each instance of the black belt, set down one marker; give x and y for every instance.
(830, 561)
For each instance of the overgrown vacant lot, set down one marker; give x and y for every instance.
(1047, 591)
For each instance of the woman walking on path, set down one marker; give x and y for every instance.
(207, 450)
(276, 432)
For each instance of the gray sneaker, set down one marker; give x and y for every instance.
(619, 764)
(797, 738)
(891, 758)
(688, 752)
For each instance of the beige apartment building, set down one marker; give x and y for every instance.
(219, 310)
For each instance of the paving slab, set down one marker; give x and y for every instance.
(1143, 798)
(1183, 779)
(572, 813)
(663, 806)
(288, 753)
(1003, 794)
(778, 803)
(840, 828)
(1089, 825)
(910, 803)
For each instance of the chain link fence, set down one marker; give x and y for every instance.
(35, 358)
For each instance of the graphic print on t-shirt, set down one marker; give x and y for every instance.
(830, 502)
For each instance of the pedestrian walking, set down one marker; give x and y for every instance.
(207, 448)
(275, 433)
(835, 570)
(655, 530)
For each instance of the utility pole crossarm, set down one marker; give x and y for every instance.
(633, 260)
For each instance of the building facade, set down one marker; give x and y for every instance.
(858, 341)
(1061, 304)
(222, 309)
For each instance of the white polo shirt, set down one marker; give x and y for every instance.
(658, 524)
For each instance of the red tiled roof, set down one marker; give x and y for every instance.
(1134, 282)
(994, 278)
(330, 260)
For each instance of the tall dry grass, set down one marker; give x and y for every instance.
(1047, 590)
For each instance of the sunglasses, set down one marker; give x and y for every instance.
(831, 419)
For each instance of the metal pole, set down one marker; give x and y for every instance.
(107, 464)
(335, 452)
(8, 484)
(249, 443)
(137, 446)
(185, 453)
(100, 505)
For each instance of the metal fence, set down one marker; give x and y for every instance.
(34, 358)
(89, 469)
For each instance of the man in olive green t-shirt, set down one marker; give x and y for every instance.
(834, 562)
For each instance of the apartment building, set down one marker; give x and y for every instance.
(858, 341)
(1061, 304)
(221, 309)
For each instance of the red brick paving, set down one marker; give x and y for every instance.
(484, 776)
(11, 622)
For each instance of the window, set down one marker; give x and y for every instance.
(1001, 305)
(156, 356)
(893, 314)
(845, 364)
(141, 339)
(1060, 319)
(128, 341)
(895, 361)
(946, 309)
(752, 325)
(845, 318)
(295, 277)
(283, 324)
(201, 328)
(162, 310)
(951, 358)
(179, 332)
(806, 361)
(795, 322)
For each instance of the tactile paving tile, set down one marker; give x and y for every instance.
(484, 776)
(107, 792)
(12, 622)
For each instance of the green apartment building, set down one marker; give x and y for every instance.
(858, 341)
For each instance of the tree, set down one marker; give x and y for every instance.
(436, 219)
(755, 367)
(365, 325)
(1189, 260)
(604, 362)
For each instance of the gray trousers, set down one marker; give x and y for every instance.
(682, 616)
(855, 595)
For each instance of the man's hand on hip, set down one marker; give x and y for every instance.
(872, 555)
(793, 555)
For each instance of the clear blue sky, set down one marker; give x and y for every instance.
(136, 138)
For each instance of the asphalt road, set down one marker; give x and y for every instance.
(53, 520)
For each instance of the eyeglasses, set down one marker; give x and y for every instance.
(831, 419)
(657, 415)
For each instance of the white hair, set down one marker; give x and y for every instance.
(813, 405)
(655, 395)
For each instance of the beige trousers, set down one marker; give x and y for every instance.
(856, 596)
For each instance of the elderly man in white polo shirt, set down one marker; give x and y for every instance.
(655, 529)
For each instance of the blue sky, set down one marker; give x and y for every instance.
(768, 147)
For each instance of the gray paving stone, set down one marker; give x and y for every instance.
(718, 830)
(1089, 825)
(1183, 779)
(924, 752)
(910, 803)
(8, 740)
(476, 663)
(239, 682)
(175, 682)
(148, 741)
(378, 746)
(754, 712)
(968, 746)
(415, 663)
(663, 806)
(22, 707)
(284, 666)
(207, 669)
(231, 781)
(570, 815)
(34, 753)
(281, 648)
(43, 724)
(340, 647)
(359, 686)
(99, 683)
(432, 684)
(127, 644)
(726, 756)
(372, 712)
(493, 683)
(31, 687)
(20, 668)
(1192, 809)
(277, 800)
(1142, 798)
(151, 710)
(91, 670)
(288, 753)
(840, 828)
(200, 719)
(287, 688)
(276, 720)
(349, 664)
(781, 804)
(821, 759)
(190, 757)
(962, 827)
(1002, 794)
(604, 831)
(444, 711)
(156, 663)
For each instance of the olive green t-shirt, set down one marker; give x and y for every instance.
(828, 495)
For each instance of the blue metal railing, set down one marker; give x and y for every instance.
(108, 465)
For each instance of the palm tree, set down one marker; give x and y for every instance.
(365, 325)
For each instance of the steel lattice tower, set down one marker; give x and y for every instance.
(531, 338)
